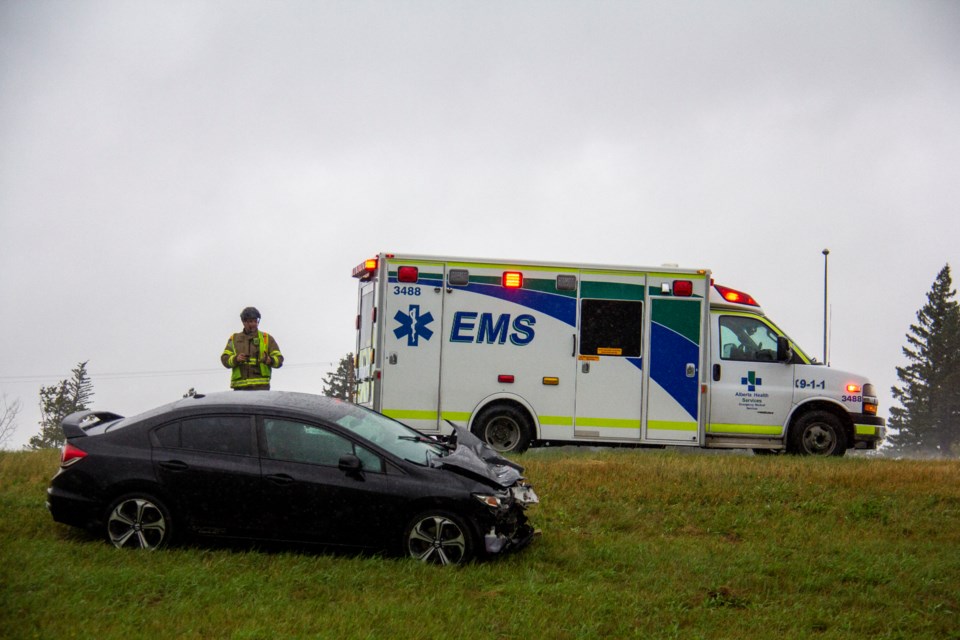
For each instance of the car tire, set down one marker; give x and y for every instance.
(818, 433)
(139, 521)
(440, 537)
(506, 428)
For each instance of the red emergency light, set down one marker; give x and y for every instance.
(512, 279)
(682, 288)
(407, 274)
(732, 295)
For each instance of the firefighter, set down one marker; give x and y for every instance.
(251, 354)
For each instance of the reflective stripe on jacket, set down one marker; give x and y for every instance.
(255, 372)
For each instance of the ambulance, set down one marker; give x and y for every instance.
(547, 354)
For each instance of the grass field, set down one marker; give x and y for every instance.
(635, 544)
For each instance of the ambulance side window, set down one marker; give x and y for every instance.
(366, 319)
(747, 339)
(611, 327)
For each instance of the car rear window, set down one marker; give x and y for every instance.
(219, 434)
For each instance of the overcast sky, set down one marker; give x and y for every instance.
(165, 164)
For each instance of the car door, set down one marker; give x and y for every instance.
(210, 466)
(307, 497)
(752, 393)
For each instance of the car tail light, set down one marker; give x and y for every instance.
(71, 455)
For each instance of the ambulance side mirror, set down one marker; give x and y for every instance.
(784, 352)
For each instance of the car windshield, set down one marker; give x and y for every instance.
(390, 435)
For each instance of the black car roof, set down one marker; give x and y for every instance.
(308, 403)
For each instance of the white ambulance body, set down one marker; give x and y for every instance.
(533, 354)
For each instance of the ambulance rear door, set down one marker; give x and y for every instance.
(410, 322)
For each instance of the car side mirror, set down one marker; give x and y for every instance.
(784, 352)
(350, 465)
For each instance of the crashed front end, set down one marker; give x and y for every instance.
(506, 526)
(509, 530)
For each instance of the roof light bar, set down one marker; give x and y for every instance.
(739, 297)
(365, 269)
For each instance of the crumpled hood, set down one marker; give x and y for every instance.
(478, 459)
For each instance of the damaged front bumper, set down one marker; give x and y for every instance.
(511, 531)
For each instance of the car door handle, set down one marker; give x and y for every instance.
(280, 478)
(174, 465)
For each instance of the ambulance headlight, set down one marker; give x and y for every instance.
(870, 402)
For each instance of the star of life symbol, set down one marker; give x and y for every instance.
(413, 325)
(752, 381)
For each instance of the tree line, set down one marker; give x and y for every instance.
(926, 422)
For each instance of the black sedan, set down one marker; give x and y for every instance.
(272, 465)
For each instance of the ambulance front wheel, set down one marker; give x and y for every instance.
(506, 428)
(818, 433)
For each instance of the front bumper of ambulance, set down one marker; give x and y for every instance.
(868, 431)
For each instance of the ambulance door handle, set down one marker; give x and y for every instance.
(691, 370)
(574, 354)
(716, 373)
(392, 358)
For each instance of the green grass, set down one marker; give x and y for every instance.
(635, 544)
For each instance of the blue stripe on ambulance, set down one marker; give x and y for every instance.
(670, 352)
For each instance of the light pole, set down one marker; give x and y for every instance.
(826, 353)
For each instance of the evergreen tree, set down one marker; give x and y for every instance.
(341, 383)
(928, 420)
(57, 402)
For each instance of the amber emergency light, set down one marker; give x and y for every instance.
(512, 279)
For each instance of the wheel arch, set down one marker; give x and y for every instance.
(508, 399)
(440, 504)
(154, 489)
(820, 405)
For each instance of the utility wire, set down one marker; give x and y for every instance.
(125, 375)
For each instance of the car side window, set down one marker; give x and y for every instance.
(300, 442)
(168, 435)
(221, 434)
(747, 339)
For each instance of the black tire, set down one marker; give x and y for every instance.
(506, 428)
(139, 521)
(440, 537)
(818, 433)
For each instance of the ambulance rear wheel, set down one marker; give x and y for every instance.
(818, 433)
(506, 428)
